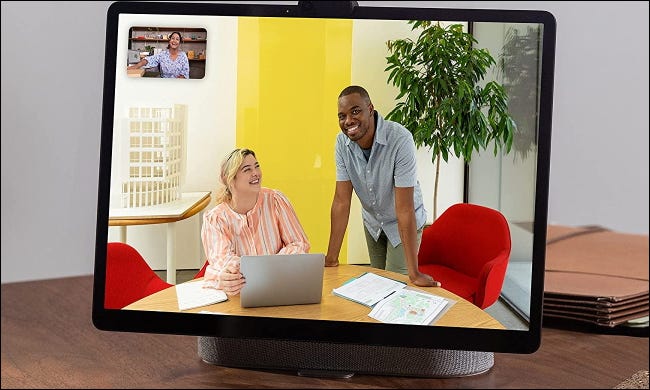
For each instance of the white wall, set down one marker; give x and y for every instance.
(52, 77)
(210, 111)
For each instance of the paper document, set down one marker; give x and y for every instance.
(408, 307)
(192, 294)
(391, 302)
(368, 289)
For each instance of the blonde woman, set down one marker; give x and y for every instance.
(248, 220)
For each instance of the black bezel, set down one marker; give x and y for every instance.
(456, 338)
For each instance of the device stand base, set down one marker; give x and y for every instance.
(342, 360)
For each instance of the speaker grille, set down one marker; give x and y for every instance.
(361, 359)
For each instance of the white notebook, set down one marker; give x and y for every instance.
(192, 294)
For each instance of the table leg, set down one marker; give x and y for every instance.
(171, 253)
(122, 234)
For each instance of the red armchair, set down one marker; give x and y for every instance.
(201, 272)
(128, 276)
(467, 249)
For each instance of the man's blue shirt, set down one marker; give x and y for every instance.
(391, 164)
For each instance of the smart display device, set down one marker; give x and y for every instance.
(270, 79)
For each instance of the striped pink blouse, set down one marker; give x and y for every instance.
(271, 227)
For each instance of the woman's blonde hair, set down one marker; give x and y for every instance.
(229, 168)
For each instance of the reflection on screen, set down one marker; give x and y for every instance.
(271, 85)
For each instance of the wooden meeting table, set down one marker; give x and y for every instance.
(461, 313)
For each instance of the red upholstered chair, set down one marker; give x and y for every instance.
(201, 271)
(467, 249)
(128, 276)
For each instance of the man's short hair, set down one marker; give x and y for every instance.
(355, 89)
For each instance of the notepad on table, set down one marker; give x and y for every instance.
(391, 301)
(368, 289)
(408, 307)
(192, 294)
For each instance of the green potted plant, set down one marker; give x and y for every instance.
(440, 98)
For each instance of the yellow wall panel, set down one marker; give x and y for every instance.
(289, 78)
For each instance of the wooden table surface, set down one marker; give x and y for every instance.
(331, 307)
(185, 207)
(48, 341)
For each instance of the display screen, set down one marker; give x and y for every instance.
(166, 52)
(267, 78)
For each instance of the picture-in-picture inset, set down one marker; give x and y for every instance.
(167, 52)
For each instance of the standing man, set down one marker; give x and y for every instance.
(376, 159)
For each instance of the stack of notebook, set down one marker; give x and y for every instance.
(595, 278)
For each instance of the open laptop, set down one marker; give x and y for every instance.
(279, 280)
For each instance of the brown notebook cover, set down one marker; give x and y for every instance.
(596, 310)
(595, 276)
(594, 321)
(595, 263)
(633, 313)
(593, 303)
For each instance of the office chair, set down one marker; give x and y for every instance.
(201, 271)
(128, 276)
(467, 249)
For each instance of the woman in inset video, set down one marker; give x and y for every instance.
(173, 62)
